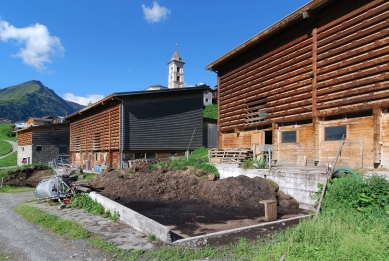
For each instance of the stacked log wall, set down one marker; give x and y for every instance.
(334, 63)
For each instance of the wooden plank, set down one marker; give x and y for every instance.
(367, 60)
(354, 27)
(366, 98)
(314, 70)
(335, 23)
(353, 49)
(278, 52)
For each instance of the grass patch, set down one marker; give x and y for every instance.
(87, 176)
(9, 171)
(51, 222)
(198, 159)
(9, 160)
(11, 189)
(5, 147)
(210, 112)
(6, 132)
(88, 204)
(118, 252)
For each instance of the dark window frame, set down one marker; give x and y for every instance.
(337, 133)
(289, 137)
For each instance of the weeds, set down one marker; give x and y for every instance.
(151, 237)
(88, 204)
(198, 159)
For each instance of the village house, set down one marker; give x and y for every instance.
(316, 77)
(40, 144)
(155, 123)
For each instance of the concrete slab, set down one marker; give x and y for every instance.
(118, 233)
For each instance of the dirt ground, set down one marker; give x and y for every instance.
(29, 177)
(190, 202)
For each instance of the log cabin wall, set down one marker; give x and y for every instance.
(95, 136)
(334, 63)
(25, 138)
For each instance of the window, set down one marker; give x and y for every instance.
(178, 78)
(288, 137)
(22, 148)
(335, 133)
(62, 149)
(38, 148)
(178, 68)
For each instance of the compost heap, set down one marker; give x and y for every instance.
(29, 177)
(165, 192)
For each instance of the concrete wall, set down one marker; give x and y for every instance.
(24, 152)
(134, 219)
(300, 183)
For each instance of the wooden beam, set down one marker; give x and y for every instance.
(314, 71)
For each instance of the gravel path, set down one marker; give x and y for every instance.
(25, 241)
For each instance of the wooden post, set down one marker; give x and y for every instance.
(314, 71)
(270, 209)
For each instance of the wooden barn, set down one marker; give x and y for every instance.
(39, 144)
(155, 123)
(318, 75)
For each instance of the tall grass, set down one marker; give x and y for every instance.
(5, 148)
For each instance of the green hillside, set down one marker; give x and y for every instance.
(33, 99)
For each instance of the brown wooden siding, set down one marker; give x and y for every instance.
(96, 132)
(25, 138)
(352, 60)
(332, 64)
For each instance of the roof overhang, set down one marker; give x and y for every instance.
(118, 95)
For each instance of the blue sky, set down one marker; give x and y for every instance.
(86, 49)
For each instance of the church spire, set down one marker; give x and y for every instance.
(176, 71)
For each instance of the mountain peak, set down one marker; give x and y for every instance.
(33, 99)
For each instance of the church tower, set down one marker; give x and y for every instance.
(176, 71)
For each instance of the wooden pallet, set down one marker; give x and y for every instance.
(231, 155)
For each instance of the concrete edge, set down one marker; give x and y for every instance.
(217, 234)
(139, 222)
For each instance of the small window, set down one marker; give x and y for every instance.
(335, 133)
(288, 137)
(22, 148)
(38, 148)
(178, 68)
(62, 149)
(178, 78)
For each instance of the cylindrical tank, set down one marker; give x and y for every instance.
(47, 188)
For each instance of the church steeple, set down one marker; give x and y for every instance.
(176, 71)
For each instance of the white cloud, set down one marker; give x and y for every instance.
(83, 100)
(38, 45)
(155, 13)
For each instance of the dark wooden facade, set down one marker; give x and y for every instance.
(43, 143)
(144, 124)
(324, 65)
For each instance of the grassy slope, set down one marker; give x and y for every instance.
(32, 99)
(3, 132)
(9, 160)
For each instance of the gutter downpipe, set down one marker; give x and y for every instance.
(121, 132)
